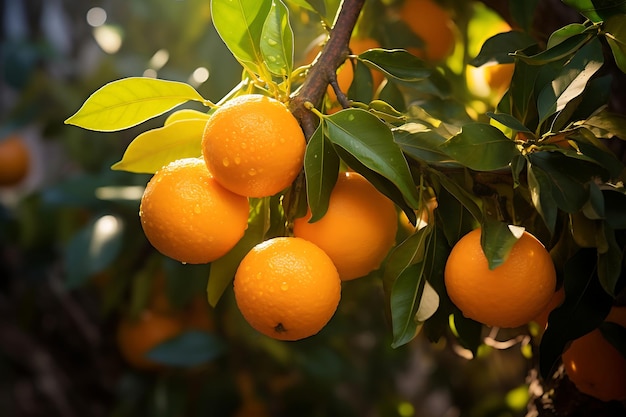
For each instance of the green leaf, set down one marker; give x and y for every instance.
(362, 86)
(606, 124)
(499, 48)
(422, 144)
(564, 33)
(277, 40)
(397, 63)
(585, 306)
(521, 94)
(610, 262)
(223, 269)
(190, 348)
(370, 141)
(481, 147)
(523, 13)
(614, 203)
(459, 193)
(557, 52)
(93, 248)
(496, 240)
(406, 270)
(597, 10)
(318, 6)
(130, 101)
(615, 34)
(321, 167)
(467, 331)
(153, 149)
(540, 188)
(571, 81)
(509, 121)
(240, 25)
(186, 114)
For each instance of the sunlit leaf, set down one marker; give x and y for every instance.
(190, 348)
(481, 147)
(155, 148)
(571, 81)
(318, 6)
(130, 101)
(223, 269)
(240, 25)
(277, 40)
(185, 114)
(370, 141)
(397, 63)
(564, 33)
(423, 145)
(321, 166)
(561, 50)
(509, 121)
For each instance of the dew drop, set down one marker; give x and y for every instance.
(237, 160)
(272, 58)
(252, 172)
(184, 263)
(351, 117)
(272, 42)
(243, 145)
(197, 209)
(225, 162)
(284, 286)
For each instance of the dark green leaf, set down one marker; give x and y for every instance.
(189, 349)
(397, 63)
(571, 80)
(481, 147)
(93, 248)
(614, 203)
(585, 306)
(459, 193)
(615, 34)
(564, 33)
(616, 335)
(509, 121)
(422, 144)
(362, 86)
(392, 95)
(523, 12)
(321, 166)
(370, 141)
(521, 93)
(610, 262)
(499, 48)
(496, 239)
(597, 10)
(277, 40)
(540, 188)
(558, 52)
(468, 331)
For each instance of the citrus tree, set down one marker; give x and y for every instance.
(382, 161)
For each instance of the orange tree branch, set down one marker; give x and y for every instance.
(323, 70)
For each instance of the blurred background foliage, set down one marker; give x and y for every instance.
(75, 266)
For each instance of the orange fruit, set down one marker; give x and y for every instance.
(595, 366)
(357, 231)
(14, 160)
(498, 77)
(253, 146)
(135, 338)
(187, 215)
(287, 288)
(509, 295)
(431, 23)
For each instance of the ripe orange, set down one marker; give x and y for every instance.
(595, 366)
(498, 77)
(433, 24)
(253, 146)
(14, 160)
(287, 288)
(511, 294)
(188, 216)
(357, 231)
(135, 338)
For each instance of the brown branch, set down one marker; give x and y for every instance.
(323, 69)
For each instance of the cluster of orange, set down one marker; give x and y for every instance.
(195, 210)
